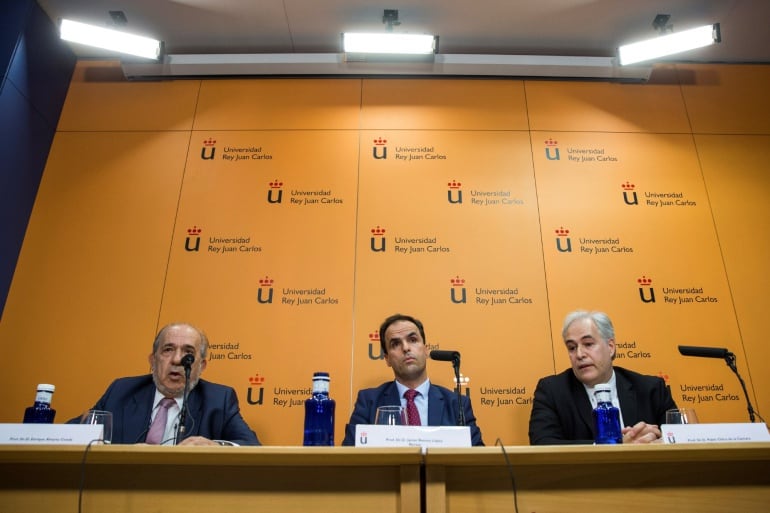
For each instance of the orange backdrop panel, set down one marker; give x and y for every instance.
(84, 302)
(288, 218)
(262, 257)
(606, 107)
(735, 171)
(99, 99)
(727, 99)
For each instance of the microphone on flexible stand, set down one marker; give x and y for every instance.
(454, 357)
(706, 352)
(729, 358)
(187, 361)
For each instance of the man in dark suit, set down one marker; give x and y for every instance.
(402, 339)
(562, 407)
(213, 415)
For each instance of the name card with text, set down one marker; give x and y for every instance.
(372, 435)
(56, 434)
(714, 433)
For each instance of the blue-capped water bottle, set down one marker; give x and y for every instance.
(319, 413)
(606, 417)
(41, 412)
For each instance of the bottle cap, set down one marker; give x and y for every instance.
(321, 375)
(45, 387)
(603, 387)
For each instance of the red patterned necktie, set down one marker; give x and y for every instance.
(411, 409)
(158, 426)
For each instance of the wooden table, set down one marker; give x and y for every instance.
(565, 479)
(697, 478)
(139, 478)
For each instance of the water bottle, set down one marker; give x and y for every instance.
(319, 413)
(41, 412)
(606, 417)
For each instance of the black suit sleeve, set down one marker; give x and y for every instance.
(547, 422)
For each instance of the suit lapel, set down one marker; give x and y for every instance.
(435, 406)
(389, 396)
(136, 415)
(194, 406)
(628, 405)
(581, 402)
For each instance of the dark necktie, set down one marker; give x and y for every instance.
(158, 426)
(411, 409)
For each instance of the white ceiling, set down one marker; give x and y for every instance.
(542, 27)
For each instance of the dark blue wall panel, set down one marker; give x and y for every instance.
(42, 66)
(36, 78)
(13, 14)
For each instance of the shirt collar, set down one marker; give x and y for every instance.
(422, 389)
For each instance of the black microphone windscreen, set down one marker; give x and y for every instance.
(187, 361)
(706, 352)
(444, 356)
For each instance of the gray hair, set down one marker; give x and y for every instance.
(600, 319)
(162, 333)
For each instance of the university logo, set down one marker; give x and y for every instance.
(255, 381)
(275, 193)
(646, 292)
(193, 241)
(363, 439)
(265, 290)
(551, 150)
(374, 346)
(629, 194)
(454, 194)
(208, 150)
(377, 240)
(563, 242)
(380, 150)
(457, 289)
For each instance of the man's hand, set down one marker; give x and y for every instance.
(641, 433)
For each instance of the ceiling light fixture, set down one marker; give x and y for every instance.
(108, 39)
(388, 46)
(388, 43)
(669, 44)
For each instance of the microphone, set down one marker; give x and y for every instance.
(444, 356)
(454, 357)
(705, 352)
(187, 361)
(729, 358)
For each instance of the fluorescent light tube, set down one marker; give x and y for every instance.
(389, 43)
(669, 44)
(109, 39)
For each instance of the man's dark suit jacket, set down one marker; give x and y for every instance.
(212, 411)
(442, 409)
(562, 413)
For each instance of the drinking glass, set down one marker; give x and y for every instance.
(99, 417)
(681, 416)
(390, 416)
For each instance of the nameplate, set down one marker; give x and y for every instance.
(372, 435)
(47, 434)
(714, 433)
